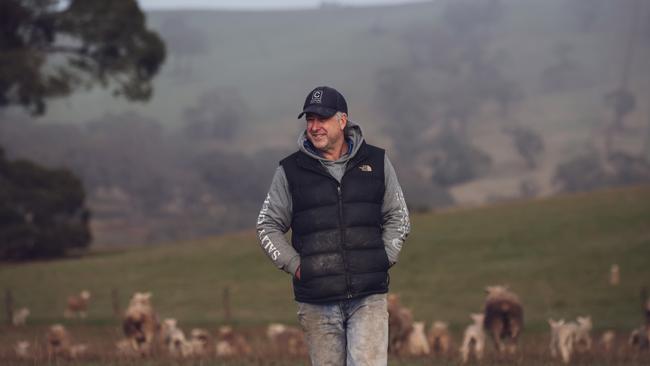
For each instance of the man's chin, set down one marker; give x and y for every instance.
(318, 146)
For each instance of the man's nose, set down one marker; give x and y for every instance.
(314, 125)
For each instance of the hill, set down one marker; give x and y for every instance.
(555, 253)
(474, 101)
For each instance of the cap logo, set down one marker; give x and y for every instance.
(317, 97)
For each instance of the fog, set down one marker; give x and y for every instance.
(474, 101)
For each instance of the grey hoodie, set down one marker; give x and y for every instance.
(274, 219)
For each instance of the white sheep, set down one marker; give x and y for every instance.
(473, 339)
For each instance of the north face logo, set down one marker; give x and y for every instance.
(316, 98)
(365, 168)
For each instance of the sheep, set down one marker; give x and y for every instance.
(125, 348)
(59, 344)
(614, 275)
(554, 345)
(439, 338)
(77, 305)
(20, 317)
(640, 338)
(400, 323)
(168, 325)
(140, 298)
(21, 348)
(504, 318)
(562, 339)
(231, 344)
(607, 341)
(416, 342)
(583, 336)
(58, 341)
(287, 338)
(140, 323)
(473, 339)
(179, 347)
(200, 340)
(78, 350)
(565, 337)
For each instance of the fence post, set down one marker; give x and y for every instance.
(226, 305)
(9, 305)
(115, 300)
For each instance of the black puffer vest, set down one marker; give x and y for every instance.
(336, 228)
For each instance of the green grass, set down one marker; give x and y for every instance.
(555, 253)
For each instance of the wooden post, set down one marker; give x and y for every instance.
(115, 299)
(9, 305)
(226, 305)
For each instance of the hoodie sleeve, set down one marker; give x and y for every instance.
(396, 224)
(274, 221)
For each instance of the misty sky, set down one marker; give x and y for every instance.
(254, 4)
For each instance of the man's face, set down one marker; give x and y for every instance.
(325, 133)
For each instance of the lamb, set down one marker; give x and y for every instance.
(565, 337)
(167, 327)
(473, 339)
(22, 350)
(125, 348)
(554, 345)
(416, 342)
(607, 341)
(58, 341)
(400, 323)
(290, 339)
(640, 338)
(504, 318)
(583, 336)
(77, 305)
(140, 323)
(59, 344)
(179, 347)
(231, 344)
(78, 350)
(439, 338)
(201, 341)
(562, 339)
(20, 317)
(614, 275)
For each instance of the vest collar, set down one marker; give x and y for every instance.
(307, 162)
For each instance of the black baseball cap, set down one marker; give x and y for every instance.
(324, 101)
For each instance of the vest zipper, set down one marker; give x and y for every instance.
(345, 261)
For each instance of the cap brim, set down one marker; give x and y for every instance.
(319, 110)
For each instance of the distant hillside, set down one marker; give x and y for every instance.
(475, 102)
(555, 253)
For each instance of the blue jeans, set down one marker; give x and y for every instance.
(348, 332)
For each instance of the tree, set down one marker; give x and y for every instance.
(42, 211)
(456, 161)
(219, 114)
(50, 48)
(588, 171)
(529, 144)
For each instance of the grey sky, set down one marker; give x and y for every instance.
(254, 4)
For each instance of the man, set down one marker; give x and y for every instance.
(341, 198)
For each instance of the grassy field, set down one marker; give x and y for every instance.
(555, 253)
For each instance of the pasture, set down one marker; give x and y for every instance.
(554, 253)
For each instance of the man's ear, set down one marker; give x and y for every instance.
(344, 121)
